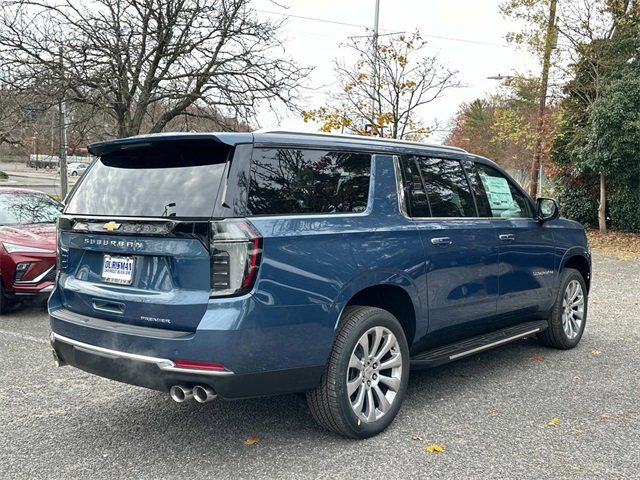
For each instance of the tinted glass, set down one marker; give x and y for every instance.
(150, 183)
(23, 208)
(297, 181)
(496, 195)
(447, 188)
(415, 194)
(477, 188)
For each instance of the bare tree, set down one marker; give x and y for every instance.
(142, 63)
(397, 77)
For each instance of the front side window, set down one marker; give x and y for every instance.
(26, 208)
(302, 181)
(495, 195)
(447, 187)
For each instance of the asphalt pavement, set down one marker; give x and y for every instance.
(519, 411)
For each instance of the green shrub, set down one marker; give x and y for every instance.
(3, 176)
(577, 201)
(623, 206)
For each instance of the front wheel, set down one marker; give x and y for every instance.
(366, 378)
(569, 315)
(4, 301)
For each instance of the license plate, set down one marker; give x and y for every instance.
(118, 269)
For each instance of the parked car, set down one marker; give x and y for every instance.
(28, 237)
(239, 265)
(76, 169)
(42, 161)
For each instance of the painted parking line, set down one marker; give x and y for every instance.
(22, 336)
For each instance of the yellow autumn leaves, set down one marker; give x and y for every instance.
(434, 448)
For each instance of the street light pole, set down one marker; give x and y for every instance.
(536, 164)
(374, 77)
(62, 107)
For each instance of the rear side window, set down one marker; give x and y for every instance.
(302, 181)
(416, 195)
(181, 179)
(495, 195)
(447, 187)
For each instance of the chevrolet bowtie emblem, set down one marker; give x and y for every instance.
(111, 226)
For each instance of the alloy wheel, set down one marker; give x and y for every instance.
(374, 374)
(573, 309)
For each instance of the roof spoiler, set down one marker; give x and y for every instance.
(159, 139)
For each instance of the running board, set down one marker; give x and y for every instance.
(469, 346)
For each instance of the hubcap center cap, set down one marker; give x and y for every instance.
(368, 373)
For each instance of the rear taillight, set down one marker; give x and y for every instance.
(235, 255)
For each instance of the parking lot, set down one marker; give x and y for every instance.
(520, 411)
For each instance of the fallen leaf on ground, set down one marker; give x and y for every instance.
(625, 244)
(251, 441)
(596, 352)
(537, 358)
(553, 422)
(434, 448)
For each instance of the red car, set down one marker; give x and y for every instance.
(27, 244)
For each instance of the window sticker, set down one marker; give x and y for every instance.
(499, 195)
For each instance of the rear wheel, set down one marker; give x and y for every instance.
(366, 378)
(569, 315)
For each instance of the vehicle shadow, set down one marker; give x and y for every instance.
(224, 425)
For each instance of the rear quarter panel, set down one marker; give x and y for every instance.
(313, 265)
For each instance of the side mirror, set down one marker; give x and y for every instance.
(547, 209)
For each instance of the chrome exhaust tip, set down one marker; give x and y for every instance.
(204, 394)
(180, 393)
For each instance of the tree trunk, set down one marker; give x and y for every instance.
(602, 207)
(544, 83)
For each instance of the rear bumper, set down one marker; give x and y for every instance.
(160, 373)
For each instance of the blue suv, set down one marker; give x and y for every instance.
(237, 265)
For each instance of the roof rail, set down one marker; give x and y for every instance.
(362, 138)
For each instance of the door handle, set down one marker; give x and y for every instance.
(507, 237)
(444, 241)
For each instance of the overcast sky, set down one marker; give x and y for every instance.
(467, 35)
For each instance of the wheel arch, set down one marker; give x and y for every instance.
(390, 291)
(578, 261)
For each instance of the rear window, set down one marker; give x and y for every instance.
(303, 181)
(178, 180)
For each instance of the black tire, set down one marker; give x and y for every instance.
(329, 403)
(555, 336)
(4, 301)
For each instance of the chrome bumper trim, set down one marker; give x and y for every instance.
(48, 289)
(162, 363)
(38, 279)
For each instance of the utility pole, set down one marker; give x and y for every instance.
(374, 77)
(549, 45)
(62, 108)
